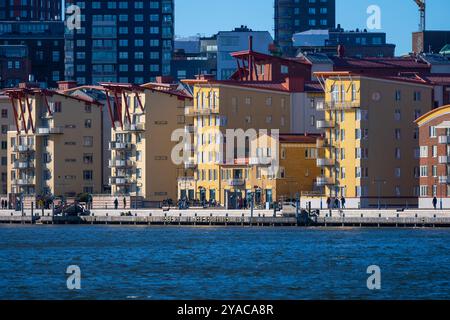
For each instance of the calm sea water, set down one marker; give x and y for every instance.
(222, 263)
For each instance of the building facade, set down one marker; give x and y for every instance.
(357, 43)
(45, 44)
(238, 40)
(30, 10)
(120, 41)
(371, 142)
(144, 119)
(6, 120)
(54, 148)
(434, 139)
(225, 176)
(15, 66)
(293, 16)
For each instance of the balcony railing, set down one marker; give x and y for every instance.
(190, 164)
(189, 129)
(138, 127)
(23, 148)
(338, 105)
(120, 181)
(23, 182)
(23, 165)
(326, 162)
(193, 111)
(444, 160)
(236, 182)
(325, 124)
(120, 146)
(119, 163)
(444, 139)
(324, 181)
(45, 131)
(324, 143)
(444, 180)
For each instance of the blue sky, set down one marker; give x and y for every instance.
(398, 17)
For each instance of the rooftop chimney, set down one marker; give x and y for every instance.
(164, 79)
(66, 85)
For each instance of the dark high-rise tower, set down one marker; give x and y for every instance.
(120, 41)
(30, 10)
(292, 16)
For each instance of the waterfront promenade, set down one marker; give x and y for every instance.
(214, 217)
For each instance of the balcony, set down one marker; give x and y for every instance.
(22, 165)
(326, 162)
(23, 149)
(324, 181)
(444, 160)
(118, 163)
(236, 182)
(120, 181)
(341, 105)
(323, 144)
(193, 111)
(138, 127)
(444, 180)
(444, 139)
(324, 124)
(46, 131)
(189, 129)
(190, 164)
(120, 146)
(23, 182)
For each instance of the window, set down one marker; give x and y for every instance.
(88, 141)
(88, 175)
(88, 123)
(432, 132)
(88, 158)
(423, 171)
(424, 151)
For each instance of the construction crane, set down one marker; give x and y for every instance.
(422, 11)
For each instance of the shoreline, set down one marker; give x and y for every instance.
(243, 218)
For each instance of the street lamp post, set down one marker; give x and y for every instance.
(379, 183)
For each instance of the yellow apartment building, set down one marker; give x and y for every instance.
(141, 145)
(55, 144)
(371, 142)
(227, 176)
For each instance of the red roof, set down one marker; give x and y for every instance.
(299, 138)
(313, 87)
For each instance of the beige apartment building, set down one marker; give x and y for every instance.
(144, 119)
(6, 120)
(372, 143)
(54, 147)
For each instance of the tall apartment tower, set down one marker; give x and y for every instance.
(292, 16)
(120, 41)
(30, 10)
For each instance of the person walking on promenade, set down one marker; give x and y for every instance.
(124, 202)
(435, 201)
(336, 203)
(116, 204)
(3, 204)
(343, 202)
(329, 203)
